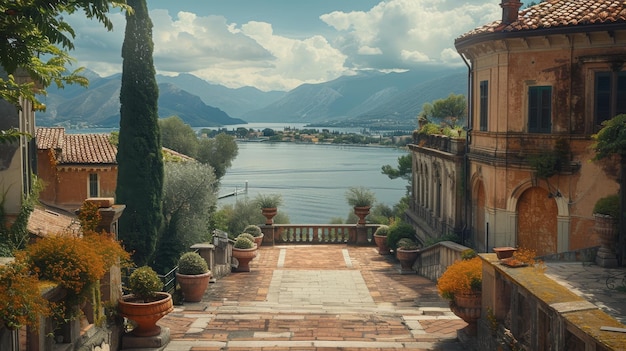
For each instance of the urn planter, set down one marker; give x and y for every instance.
(193, 286)
(606, 228)
(244, 256)
(362, 212)
(146, 314)
(468, 308)
(504, 252)
(381, 243)
(406, 258)
(269, 213)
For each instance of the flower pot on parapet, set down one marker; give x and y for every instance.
(361, 199)
(193, 276)
(504, 252)
(362, 212)
(268, 204)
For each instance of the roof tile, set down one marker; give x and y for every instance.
(77, 148)
(559, 13)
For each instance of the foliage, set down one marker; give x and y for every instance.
(255, 230)
(191, 263)
(268, 200)
(89, 216)
(462, 277)
(22, 303)
(404, 169)
(144, 283)
(608, 206)
(218, 152)
(33, 30)
(381, 214)
(360, 196)
(189, 200)
(430, 128)
(243, 243)
(383, 230)
(398, 230)
(611, 139)
(12, 135)
(15, 236)
(247, 236)
(178, 136)
(468, 254)
(407, 244)
(233, 218)
(454, 106)
(528, 256)
(140, 162)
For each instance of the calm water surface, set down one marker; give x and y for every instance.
(313, 179)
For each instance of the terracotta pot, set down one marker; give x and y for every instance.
(269, 213)
(361, 212)
(504, 252)
(146, 314)
(193, 286)
(606, 228)
(406, 258)
(381, 243)
(258, 240)
(468, 308)
(244, 256)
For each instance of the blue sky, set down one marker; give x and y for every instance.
(280, 44)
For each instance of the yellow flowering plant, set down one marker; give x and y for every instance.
(461, 277)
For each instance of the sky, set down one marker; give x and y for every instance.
(281, 44)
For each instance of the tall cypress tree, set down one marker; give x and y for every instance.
(140, 163)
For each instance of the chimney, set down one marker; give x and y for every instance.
(510, 9)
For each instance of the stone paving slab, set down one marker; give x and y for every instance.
(341, 297)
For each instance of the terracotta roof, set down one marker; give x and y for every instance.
(559, 14)
(49, 138)
(176, 155)
(77, 148)
(88, 148)
(43, 222)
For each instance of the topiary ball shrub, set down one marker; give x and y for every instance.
(243, 243)
(397, 231)
(407, 244)
(144, 282)
(383, 230)
(247, 236)
(608, 206)
(191, 263)
(255, 230)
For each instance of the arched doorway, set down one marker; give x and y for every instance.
(537, 221)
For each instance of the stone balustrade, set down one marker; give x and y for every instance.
(319, 234)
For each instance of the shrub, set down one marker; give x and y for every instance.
(191, 263)
(268, 201)
(383, 230)
(462, 277)
(360, 197)
(407, 244)
(608, 206)
(255, 230)
(144, 283)
(397, 231)
(468, 254)
(247, 236)
(243, 243)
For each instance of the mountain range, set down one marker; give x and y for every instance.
(367, 99)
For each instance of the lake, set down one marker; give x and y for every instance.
(313, 178)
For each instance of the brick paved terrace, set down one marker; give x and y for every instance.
(321, 297)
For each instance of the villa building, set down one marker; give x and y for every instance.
(541, 82)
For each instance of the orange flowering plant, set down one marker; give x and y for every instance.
(21, 303)
(461, 277)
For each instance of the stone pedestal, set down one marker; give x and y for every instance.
(146, 343)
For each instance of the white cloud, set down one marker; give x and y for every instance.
(395, 34)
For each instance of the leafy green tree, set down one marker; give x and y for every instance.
(189, 199)
(178, 136)
(33, 30)
(452, 107)
(611, 141)
(140, 161)
(404, 169)
(218, 152)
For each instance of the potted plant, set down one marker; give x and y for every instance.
(398, 230)
(247, 236)
(193, 276)
(606, 213)
(361, 199)
(380, 238)
(146, 303)
(268, 204)
(256, 232)
(244, 251)
(461, 283)
(407, 252)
